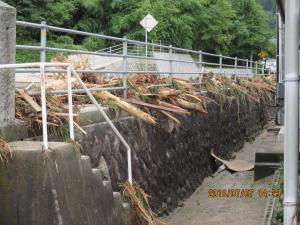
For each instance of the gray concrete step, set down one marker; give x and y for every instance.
(268, 156)
(54, 187)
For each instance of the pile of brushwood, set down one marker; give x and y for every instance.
(146, 100)
(141, 213)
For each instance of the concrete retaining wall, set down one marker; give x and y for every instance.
(169, 162)
(58, 188)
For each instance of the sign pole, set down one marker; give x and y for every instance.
(146, 40)
(148, 23)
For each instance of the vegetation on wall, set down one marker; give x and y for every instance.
(232, 27)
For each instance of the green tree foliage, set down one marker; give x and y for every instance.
(126, 17)
(270, 7)
(177, 21)
(55, 12)
(92, 43)
(215, 27)
(234, 27)
(251, 29)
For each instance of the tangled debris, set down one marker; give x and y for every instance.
(146, 100)
(139, 204)
(5, 151)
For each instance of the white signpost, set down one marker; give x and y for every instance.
(149, 22)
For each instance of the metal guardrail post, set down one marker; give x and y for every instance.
(200, 59)
(160, 45)
(247, 67)
(152, 48)
(43, 42)
(220, 63)
(70, 103)
(255, 67)
(44, 106)
(263, 68)
(125, 67)
(235, 66)
(170, 62)
(109, 50)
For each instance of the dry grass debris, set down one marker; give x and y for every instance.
(139, 203)
(5, 151)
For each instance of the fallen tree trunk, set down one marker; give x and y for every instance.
(188, 105)
(165, 93)
(178, 111)
(104, 95)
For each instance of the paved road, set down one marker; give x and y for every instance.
(199, 209)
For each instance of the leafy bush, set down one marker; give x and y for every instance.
(93, 43)
(65, 39)
(65, 42)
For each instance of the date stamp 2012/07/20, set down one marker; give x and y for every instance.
(244, 193)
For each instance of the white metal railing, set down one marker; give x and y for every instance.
(125, 50)
(70, 72)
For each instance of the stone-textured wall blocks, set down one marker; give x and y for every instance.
(170, 161)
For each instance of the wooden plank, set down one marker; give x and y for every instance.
(29, 100)
(104, 95)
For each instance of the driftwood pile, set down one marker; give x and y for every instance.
(141, 212)
(146, 101)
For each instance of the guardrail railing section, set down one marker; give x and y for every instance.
(70, 72)
(142, 57)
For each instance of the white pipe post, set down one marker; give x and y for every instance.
(247, 67)
(108, 120)
(160, 46)
(200, 66)
(44, 106)
(291, 116)
(146, 47)
(220, 64)
(235, 67)
(170, 62)
(129, 165)
(70, 104)
(280, 34)
(263, 68)
(255, 67)
(125, 72)
(43, 42)
(200, 59)
(153, 49)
